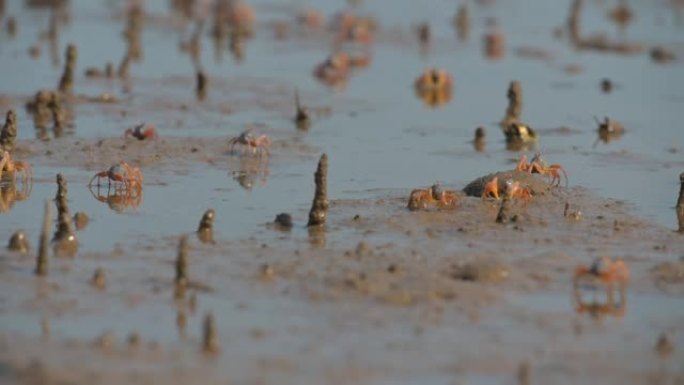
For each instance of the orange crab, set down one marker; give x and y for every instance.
(434, 80)
(605, 270)
(433, 195)
(130, 177)
(248, 143)
(513, 189)
(334, 69)
(141, 132)
(539, 166)
(12, 167)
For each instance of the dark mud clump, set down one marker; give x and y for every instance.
(205, 230)
(283, 221)
(533, 182)
(479, 271)
(18, 242)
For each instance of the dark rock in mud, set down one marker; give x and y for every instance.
(479, 271)
(534, 182)
(19, 242)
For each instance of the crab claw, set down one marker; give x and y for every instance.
(491, 188)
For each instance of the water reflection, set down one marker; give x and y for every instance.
(9, 194)
(597, 308)
(249, 171)
(118, 199)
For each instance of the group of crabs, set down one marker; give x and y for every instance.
(127, 180)
(437, 197)
(603, 270)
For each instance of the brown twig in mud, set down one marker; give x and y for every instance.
(210, 339)
(515, 105)
(680, 204)
(122, 71)
(494, 44)
(462, 22)
(524, 373)
(11, 26)
(301, 116)
(205, 230)
(503, 215)
(202, 83)
(182, 262)
(663, 346)
(479, 141)
(66, 83)
(42, 258)
(18, 242)
(319, 208)
(8, 135)
(99, 279)
(132, 33)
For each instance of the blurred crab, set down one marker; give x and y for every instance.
(352, 28)
(141, 132)
(433, 80)
(539, 166)
(129, 177)
(310, 18)
(7, 165)
(434, 87)
(334, 70)
(433, 195)
(514, 190)
(239, 15)
(120, 200)
(249, 143)
(605, 270)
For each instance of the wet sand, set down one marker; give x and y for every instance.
(379, 294)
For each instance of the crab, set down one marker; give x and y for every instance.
(605, 270)
(141, 132)
(7, 165)
(433, 195)
(129, 177)
(434, 80)
(514, 190)
(249, 143)
(333, 70)
(539, 166)
(608, 272)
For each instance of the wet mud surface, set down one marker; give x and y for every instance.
(371, 292)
